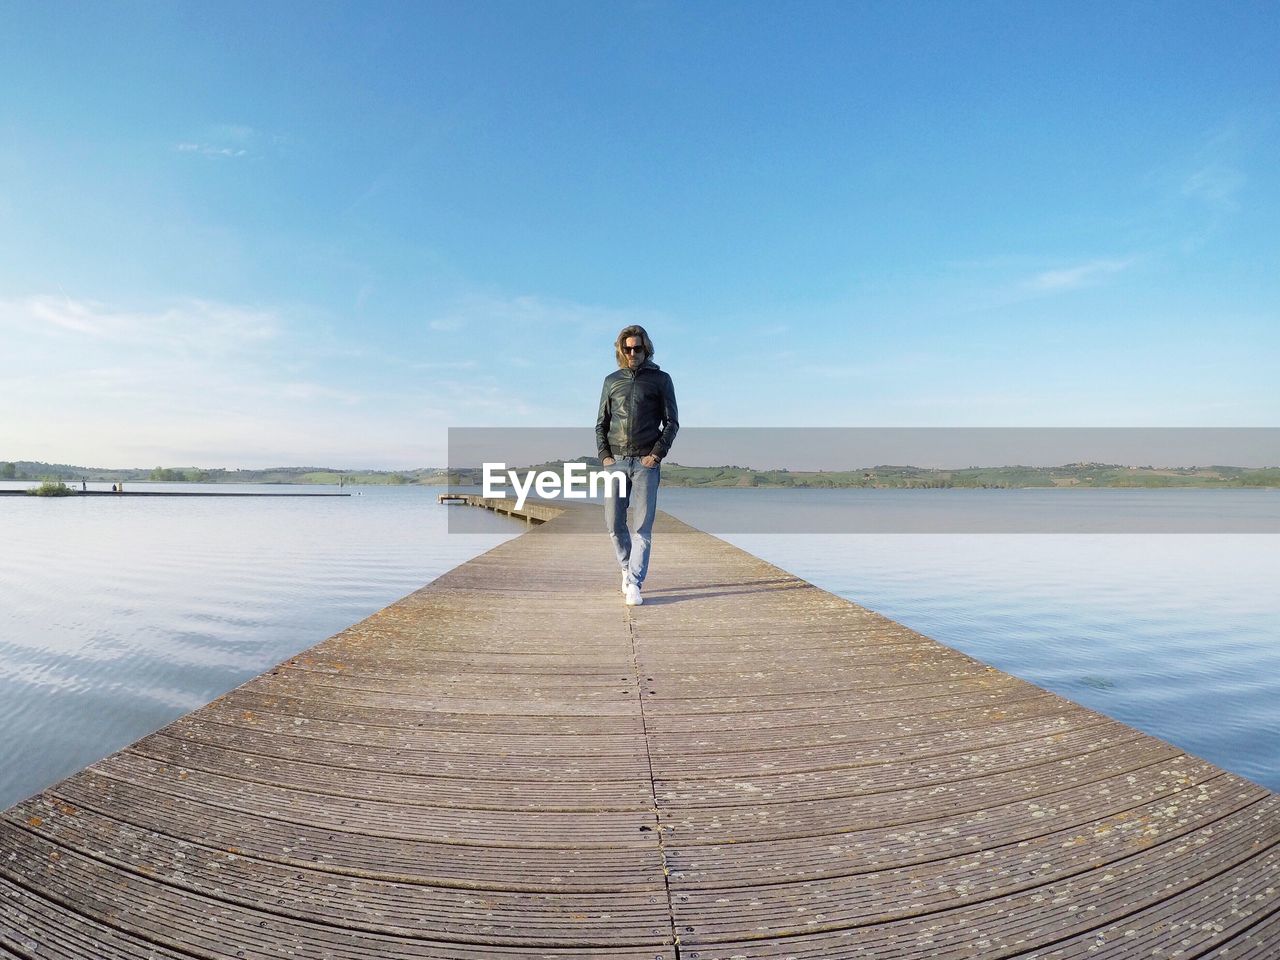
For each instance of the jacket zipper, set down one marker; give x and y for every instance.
(631, 396)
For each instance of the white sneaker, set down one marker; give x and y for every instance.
(623, 589)
(632, 594)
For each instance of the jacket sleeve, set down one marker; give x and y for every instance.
(602, 423)
(670, 418)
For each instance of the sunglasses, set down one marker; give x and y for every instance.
(633, 349)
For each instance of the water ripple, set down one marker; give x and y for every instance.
(118, 616)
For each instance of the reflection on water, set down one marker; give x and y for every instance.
(118, 615)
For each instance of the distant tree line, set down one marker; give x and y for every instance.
(193, 475)
(728, 475)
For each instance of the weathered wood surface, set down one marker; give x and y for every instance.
(510, 763)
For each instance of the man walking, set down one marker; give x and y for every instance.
(635, 427)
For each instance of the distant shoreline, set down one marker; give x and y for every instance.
(1066, 476)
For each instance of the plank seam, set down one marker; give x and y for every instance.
(967, 677)
(179, 737)
(653, 788)
(1039, 693)
(1238, 935)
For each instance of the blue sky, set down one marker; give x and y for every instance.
(253, 234)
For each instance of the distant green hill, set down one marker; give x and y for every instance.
(888, 476)
(906, 477)
(678, 475)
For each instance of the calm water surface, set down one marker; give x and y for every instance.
(119, 615)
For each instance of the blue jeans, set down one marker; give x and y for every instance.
(632, 535)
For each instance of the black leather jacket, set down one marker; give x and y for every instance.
(637, 414)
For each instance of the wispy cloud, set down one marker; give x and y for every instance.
(225, 140)
(233, 131)
(93, 381)
(1193, 195)
(191, 326)
(210, 383)
(1079, 275)
(209, 150)
(1007, 280)
(1200, 189)
(1216, 185)
(1215, 178)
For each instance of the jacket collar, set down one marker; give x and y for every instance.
(647, 365)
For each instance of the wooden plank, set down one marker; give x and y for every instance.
(863, 897)
(678, 748)
(396, 774)
(456, 785)
(414, 719)
(349, 849)
(1228, 915)
(867, 707)
(959, 738)
(422, 755)
(36, 927)
(94, 845)
(493, 820)
(854, 780)
(147, 909)
(1256, 942)
(1012, 923)
(603, 702)
(906, 804)
(850, 848)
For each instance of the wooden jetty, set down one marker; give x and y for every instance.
(510, 763)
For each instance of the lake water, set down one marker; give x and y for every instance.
(118, 615)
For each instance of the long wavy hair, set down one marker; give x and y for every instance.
(632, 331)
